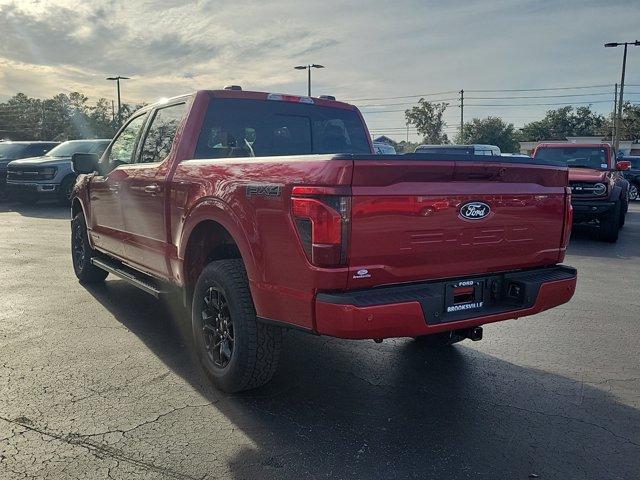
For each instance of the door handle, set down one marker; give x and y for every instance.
(153, 188)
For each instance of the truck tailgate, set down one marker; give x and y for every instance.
(414, 219)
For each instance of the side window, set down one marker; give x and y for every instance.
(123, 149)
(160, 135)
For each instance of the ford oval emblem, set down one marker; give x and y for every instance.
(474, 210)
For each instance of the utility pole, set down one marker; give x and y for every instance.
(461, 114)
(614, 113)
(616, 143)
(113, 112)
(407, 133)
(621, 101)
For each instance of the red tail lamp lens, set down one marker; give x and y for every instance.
(321, 217)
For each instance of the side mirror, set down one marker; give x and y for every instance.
(84, 162)
(623, 165)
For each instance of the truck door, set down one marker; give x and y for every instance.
(145, 190)
(107, 224)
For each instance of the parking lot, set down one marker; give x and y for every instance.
(98, 382)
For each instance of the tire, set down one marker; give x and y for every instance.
(81, 253)
(65, 189)
(610, 224)
(633, 192)
(439, 340)
(623, 212)
(236, 350)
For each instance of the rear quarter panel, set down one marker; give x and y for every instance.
(282, 281)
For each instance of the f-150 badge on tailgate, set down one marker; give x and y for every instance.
(475, 210)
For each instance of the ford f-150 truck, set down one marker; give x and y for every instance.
(270, 211)
(49, 175)
(600, 193)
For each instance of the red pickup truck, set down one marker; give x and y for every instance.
(271, 211)
(600, 193)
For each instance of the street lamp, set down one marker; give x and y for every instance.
(618, 119)
(117, 80)
(308, 68)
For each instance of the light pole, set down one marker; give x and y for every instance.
(117, 80)
(308, 68)
(618, 120)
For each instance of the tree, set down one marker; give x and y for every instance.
(62, 117)
(563, 122)
(630, 129)
(491, 131)
(428, 120)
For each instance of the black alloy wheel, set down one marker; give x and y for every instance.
(217, 327)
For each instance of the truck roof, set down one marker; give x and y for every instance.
(272, 96)
(575, 145)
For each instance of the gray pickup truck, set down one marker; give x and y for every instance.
(50, 175)
(10, 151)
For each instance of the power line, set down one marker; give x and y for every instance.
(580, 87)
(532, 104)
(404, 103)
(538, 89)
(405, 96)
(545, 96)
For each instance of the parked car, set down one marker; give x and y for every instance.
(460, 149)
(49, 175)
(14, 150)
(599, 192)
(382, 148)
(632, 175)
(268, 211)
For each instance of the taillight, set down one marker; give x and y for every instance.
(321, 216)
(568, 219)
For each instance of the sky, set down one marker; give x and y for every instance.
(371, 50)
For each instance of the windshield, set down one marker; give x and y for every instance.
(259, 128)
(586, 157)
(11, 150)
(67, 149)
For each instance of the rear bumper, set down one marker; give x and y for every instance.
(583, 209)
(421, 309)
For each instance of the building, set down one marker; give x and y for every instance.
(385, 139)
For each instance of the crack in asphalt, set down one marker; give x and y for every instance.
(100, 450)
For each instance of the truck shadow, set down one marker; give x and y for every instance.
(342, 409)
(43, 209)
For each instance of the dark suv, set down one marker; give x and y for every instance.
(633, 176)
(15, 150)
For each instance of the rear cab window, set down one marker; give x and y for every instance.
(259, 128)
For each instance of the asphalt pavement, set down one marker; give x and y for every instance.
(99, 382)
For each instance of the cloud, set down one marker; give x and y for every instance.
(377, 48)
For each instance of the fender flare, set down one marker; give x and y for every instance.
(213, 209)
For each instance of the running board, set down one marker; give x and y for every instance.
(128, 274)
